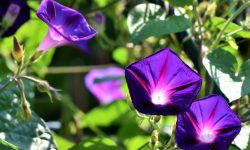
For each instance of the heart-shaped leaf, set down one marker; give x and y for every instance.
(146, 20)
(232, 79)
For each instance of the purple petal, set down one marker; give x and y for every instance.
(209, 124)
(108, 88)
(162, 84)
(22, 15)
(69, 24)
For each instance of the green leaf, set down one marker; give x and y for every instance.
(105, 115)
(63, 144)
(135, 142)
(25, 135)
(180, 3)
(220, 22)
(146, 20)
(4, 69)
(96, 143)
(232, 79)
(120, 55)
(242, 140)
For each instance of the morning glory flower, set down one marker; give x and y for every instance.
(13, 14)
(162, 84)
(66, 26)
(105, 84)
(209, 124)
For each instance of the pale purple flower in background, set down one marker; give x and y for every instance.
(99, 21)
(105, 84)
(99, 18)
(209, 124)
(66, 26)
(13, 14)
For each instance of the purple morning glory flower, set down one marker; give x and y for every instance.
(161, 84)
(105, 84)
(66, 26)
(209, 124)
(13, 13)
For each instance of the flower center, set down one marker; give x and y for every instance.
(207, 136)
(159, 98)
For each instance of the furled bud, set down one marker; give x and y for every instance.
(157, 118)
(18, 51)
(36, 56)
(211, 9)
(231, 41)
(154, 138)
(43, 86)
(26, 110)
(246, 23)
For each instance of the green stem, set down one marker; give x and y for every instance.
(218, 38)
(75, 69)
(20, 86)
(31, 79)
(233, 32)
(171, 143)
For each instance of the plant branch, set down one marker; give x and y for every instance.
(218, 38)
(75, 69)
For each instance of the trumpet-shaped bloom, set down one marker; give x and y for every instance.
(161, 84)
(13, 13)
(209, 124)
(66, 26)
(105, 84)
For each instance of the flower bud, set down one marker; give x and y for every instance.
(211, 9)
(26, 110)
(154, 138)
(157, 118)
(43, 86)
(36, 56)
(246, 23)
(18, 51)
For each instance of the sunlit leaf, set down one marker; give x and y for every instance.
(243, 138)
(105, 115)
(63, 144)
(146, 20)
(120, 55)
(96, 143)
(180, 3)
(135, 142)
(232, 79)
(220, 22)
